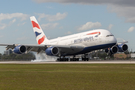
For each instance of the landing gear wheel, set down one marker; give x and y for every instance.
(62, 59)
(85, 59)
(74, 59)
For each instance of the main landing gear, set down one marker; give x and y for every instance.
(84, 58)
(62, 59)
(67, 59)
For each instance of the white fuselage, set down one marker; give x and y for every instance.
(90, 40)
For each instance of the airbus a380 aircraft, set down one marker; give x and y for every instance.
(71, 45)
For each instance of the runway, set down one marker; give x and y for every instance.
(71, 62)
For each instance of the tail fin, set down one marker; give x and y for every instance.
(40, 36)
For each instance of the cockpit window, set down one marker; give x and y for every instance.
(109, 35)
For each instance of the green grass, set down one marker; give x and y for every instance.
(67, 76)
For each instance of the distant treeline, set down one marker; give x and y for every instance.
(17, 57)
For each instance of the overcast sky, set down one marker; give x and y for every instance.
(64, 17)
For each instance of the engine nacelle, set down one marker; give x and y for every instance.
(52, 51)
(112, 50)
(20, 49)
(122, 47)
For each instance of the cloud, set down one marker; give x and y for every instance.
(2, 26)
(49, 26)
(11, 22)
(110, 27)
(123, 8)
(124, 11)
(12, 19)
(56, 17)
(131, 29)
(89, 25)
(13, 15)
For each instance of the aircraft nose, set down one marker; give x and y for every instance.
(114, 40)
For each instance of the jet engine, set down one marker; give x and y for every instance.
(52, 51)
(122, 47)
(20, 49)
(112, 50)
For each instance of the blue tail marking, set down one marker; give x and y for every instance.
(36, 33)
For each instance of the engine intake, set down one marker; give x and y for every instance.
(112, 50)
(20, 49)
(52, 51)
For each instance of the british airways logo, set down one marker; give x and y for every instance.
(35, 25)
(84, 39)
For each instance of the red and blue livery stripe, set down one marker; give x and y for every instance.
(34, 24)
(93, 33)
(37, 34)
(41, 40)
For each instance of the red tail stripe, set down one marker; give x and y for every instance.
(34, 24)
(41, 40)
(93, 33)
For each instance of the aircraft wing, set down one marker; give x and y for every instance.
(123, 42)
(36, 48)
(42, 48)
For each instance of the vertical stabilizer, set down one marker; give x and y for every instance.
(40, 36)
